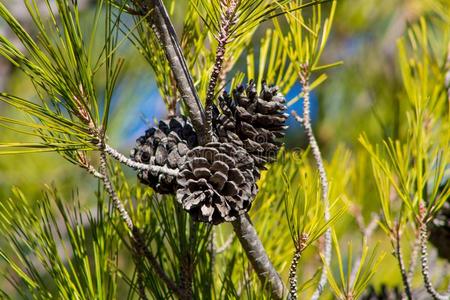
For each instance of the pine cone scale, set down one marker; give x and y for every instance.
(253, 121)
(227, 187)
(164, 145)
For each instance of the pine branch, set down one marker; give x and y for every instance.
(425, 268)
(138, 256)
(93, 171)
(137, 165)
(187, 267)
(160, 271)
(293, 289)
(164, 30)
(306, 121)
(257, 255)
(85, 164)
(228, 19)
(401, 263)
(112, 193)
(136, 237)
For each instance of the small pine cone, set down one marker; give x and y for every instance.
(217, 182)
(165, 145)
(440, 231)
(253, 121)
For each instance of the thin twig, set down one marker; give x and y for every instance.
(94, 172)
(112, 193)
(306, 121)
(257, 256)
(131, 11)
(425, 269)
(160, 21)
(227, 20)
(299, 247)
(227, 244)
(293, 276)
(141, 284)
(401, 263)
(85, 164)
(137, 239)
(127, 220)
(160, 272)
(137, 165)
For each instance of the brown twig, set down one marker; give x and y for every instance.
(257, 255)
(160, 271)
(227, 20)
(138, 257)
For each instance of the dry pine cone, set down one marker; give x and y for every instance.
(165, 145)
(254, 122)
(217, 182)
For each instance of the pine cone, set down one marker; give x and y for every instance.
(217, 182)
(440, 231)
(384, 294)
(254, 122)
(165, 145)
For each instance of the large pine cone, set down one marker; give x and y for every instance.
(165, 145)
(440, 231)
(217, 182)
(254, 122)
